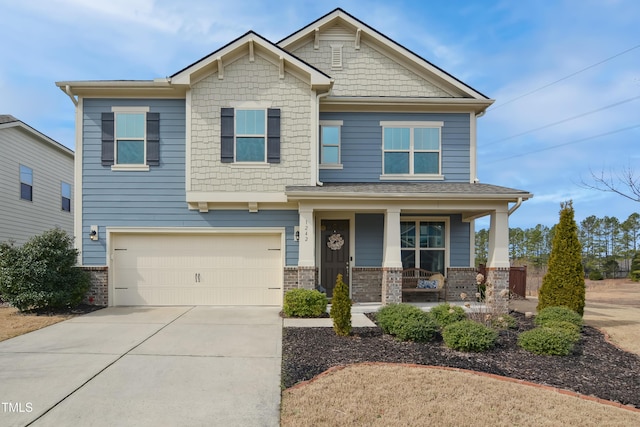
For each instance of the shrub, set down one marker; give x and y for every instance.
(445, 314)
(304, 303)
(548, 341)
(569, 327)
(503, 321)
(634, 274)
(557, 314)
(467, 335)
(407, 323)
(341, 308)
(595, 274)
(564, 282)
(42, 273)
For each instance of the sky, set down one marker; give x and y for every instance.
(565, 74)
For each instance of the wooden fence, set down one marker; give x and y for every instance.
(517, 279)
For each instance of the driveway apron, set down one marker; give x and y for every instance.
(146, 366)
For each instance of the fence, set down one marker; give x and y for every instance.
(517, 279)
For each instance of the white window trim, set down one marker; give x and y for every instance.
(249, 106)
(21, 182)
(447, 236)
(331, 123)
(124, 167)
(411, 125)
(62, 195)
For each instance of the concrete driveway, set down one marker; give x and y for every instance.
(146, 366)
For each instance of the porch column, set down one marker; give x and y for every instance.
(497, 292)
(306, 250)
(392, 261)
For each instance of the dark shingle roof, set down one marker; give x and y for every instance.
(7, 118)
(420, 189)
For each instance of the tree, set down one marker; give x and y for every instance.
(482, 246)
(341, 308)
(563, 285)
(625, 183)
(635, 268)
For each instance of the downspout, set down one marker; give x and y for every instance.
(515, 207)
(317, 147)
(67, 90)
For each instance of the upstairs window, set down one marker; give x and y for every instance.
(250, 135)
(330, 142)
(26, 183)
(65, 192)
(411, 148)
(130, 138)
(423, 245)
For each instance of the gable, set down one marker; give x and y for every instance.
(382, 52)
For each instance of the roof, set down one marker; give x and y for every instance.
(415, 190)
(8, 121)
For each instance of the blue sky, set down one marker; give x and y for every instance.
(545, 61)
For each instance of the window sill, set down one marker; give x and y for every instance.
(331, 166)
(408, 177)
(130, 168)
(249, 165)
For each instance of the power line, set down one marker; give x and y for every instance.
(564, 144)
(563, 121)
(563, 78)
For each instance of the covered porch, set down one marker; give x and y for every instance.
(370, 233)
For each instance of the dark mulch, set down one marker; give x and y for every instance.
(76, 311)
(595, 367)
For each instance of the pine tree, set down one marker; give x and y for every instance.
(341, 308)
(563, 285)
(635, 268)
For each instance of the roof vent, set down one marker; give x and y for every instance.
(336, 56)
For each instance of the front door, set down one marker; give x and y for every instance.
(335, 253)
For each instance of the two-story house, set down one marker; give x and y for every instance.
(36, 182)
(267, 166)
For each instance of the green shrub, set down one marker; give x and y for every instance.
(595, 274)
(569, 327)
(634, 274)
(548, 341)
(557, 314)
(407, 322)
(42, 274)
(467, 335)
(304, 303)
(341, 308)
(445, 314)
(503, 321)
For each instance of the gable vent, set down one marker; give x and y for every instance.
(336, 57)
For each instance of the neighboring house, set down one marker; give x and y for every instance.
(36, 182)
(268, 166)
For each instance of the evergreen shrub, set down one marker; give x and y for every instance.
(548, 341)
(557, 314)
(468, 335)
(341, 308)
(304, 303)
(445, 314)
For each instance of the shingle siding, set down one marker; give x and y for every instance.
(156, 198)
(361, 145)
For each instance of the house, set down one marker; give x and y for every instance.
(36, 182)
(269, 166)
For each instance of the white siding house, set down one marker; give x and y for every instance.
(36, 182)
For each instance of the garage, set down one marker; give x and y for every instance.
(196, 269)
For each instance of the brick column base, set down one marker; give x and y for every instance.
(307, 277)
(497, 293)
(98, 293)
(391, 285)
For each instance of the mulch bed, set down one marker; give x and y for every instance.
(595, 367)
(76, 311)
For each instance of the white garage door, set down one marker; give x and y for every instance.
(165, 269)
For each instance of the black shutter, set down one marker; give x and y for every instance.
(273, 135)
(153, 139)
(226, 135)
(107, 139)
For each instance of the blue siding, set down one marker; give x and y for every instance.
(369, 240)
(459, 241)
(156, 198)
(361, 141)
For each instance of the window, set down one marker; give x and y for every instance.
(250, 135)
(65, 191)
(330, 142)
(411, 148)
(26, 183)
(423, 244)
(130, 138)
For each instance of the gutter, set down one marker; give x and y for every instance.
(515, 207)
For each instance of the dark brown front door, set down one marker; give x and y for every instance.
(335, 253)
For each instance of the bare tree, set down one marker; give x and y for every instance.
(625, 183)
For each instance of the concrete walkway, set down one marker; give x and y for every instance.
(152, 366)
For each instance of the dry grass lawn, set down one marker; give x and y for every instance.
(393, 395)
(407, 396)
(14, 323)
